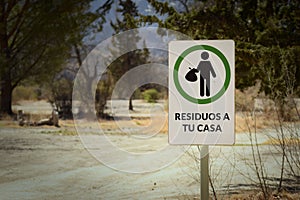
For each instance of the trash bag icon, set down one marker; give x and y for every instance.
(191, 75)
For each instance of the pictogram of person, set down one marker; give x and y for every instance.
(205, 68)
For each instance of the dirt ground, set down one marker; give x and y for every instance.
(53, 163)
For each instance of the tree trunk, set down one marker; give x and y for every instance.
(130, 104)
(5, 82)
(6, 96)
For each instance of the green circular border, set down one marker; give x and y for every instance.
(226, 82)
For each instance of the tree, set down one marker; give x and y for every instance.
(35, 40)
(62, 83)
(129, 14)
(61, 97)
(266, 34)
(257, 27)
(103, 92)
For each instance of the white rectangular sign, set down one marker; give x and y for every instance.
(201, 92)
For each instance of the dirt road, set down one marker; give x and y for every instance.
(49, 163)
(35, 165)
(41, 164)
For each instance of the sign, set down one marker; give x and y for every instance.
(201, 92)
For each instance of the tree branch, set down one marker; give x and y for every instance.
(28, 70)
(19, 19)
(184, 3)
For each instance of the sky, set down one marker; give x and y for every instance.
(143, 6)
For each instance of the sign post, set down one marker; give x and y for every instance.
(204, 173)
(201, 97)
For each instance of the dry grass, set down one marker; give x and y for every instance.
(8, 123)
(247, 195)
(244, 100)
(141, 122)
(245, 123)
(287, 141)
(253, 195)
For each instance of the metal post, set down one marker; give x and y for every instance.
(204, 173)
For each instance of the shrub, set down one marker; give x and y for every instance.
(61, 97)
(151, 95)
(137, 94)
(24, 93)
(103, 93)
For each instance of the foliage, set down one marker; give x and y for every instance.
(61, 97)
(151, 95)
(266, 35)
(103, 92)
(25, 93)
(137, 94)
(129, 13)
(35, 40)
